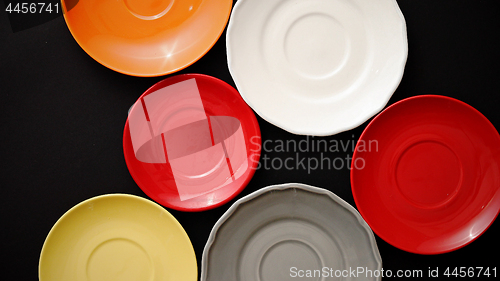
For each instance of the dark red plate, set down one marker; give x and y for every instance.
(191, 143)
(426, 174)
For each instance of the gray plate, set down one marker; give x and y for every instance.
(291, 232)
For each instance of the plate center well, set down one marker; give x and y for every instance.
(316, 45)
(119, 259)
(280, 259)
(428, 174)
(148, 9)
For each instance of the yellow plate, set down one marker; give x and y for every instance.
(117, 237)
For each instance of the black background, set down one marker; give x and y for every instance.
(62, 117)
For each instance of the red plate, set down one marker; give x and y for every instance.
(426, 174)
(191, 143)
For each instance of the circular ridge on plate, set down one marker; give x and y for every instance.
(117, 236)
(316, 67)
(191, 143)
(429, 184)
(146, 37)
(287, 215)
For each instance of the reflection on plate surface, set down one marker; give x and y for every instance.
(274, 232)
(316, 67)
(431, 185)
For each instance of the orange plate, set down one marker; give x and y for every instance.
(146, 37)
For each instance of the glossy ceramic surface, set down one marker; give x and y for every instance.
(267, 233)
(426, 174)
(146, 37)
(117, 237)
(191, 143)
(316, 67)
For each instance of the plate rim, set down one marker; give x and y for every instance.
(114, 195)
(281, 187)
(151, 74)
(356, 199)
(391, 89)
(253, 167)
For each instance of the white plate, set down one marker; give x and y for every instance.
(275, 232)
(316, 67)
